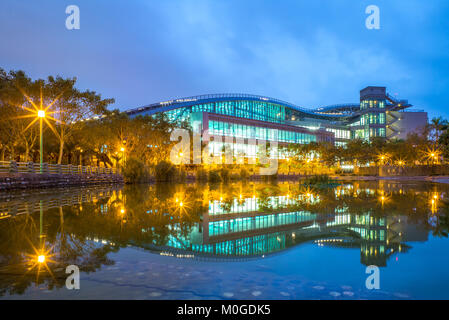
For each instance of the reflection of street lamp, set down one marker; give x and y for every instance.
(41, 257)
(41, 116)
(180, 155)
(122, 149)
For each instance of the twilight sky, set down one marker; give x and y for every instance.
(310, 53)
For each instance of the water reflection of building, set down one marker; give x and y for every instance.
(244, 231)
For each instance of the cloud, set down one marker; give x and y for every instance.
(265, 57)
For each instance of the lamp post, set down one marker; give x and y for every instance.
(122, 149)
(41, 116)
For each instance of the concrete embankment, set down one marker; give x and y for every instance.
(32, 181)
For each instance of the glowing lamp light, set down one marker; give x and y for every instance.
(41, 259)
(181, 204)
(41, 113)
(122, 149)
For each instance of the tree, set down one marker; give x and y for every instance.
(72, 106)
(436, 126)
(358, 152)
(17, 130)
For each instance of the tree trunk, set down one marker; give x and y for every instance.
(27, 151)
(61, 148)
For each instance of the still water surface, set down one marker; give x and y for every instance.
(234, 241)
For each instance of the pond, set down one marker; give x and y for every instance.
(278, 240)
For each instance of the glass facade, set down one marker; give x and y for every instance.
(373, 118)
(253, 132)
(369, 104)
(340, 133)
(256, 110)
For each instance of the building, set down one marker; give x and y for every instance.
(251, 117)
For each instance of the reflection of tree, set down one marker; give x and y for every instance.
(139, 215)
(441, 228)
(20, 236)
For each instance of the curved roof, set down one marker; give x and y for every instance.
(328, 113)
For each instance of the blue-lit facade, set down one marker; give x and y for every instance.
(244, 231)
(251, 117)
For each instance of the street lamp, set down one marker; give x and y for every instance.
(41, 116)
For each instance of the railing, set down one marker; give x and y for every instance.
(12, 204)
(31, 167)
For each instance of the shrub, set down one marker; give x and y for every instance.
(214, 176)
(135, 171)
(244, 173)
(235, 176)
(201, 175)
(225, 174)
(322, 180)
(165, 171)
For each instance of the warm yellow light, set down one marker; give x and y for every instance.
(41, 113)
(181, 154)
(382, 157)
(181, 204)
(41, 259)
(122, 149)
(122, 211)
(432, 154)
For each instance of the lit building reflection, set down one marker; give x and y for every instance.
(227, 222)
